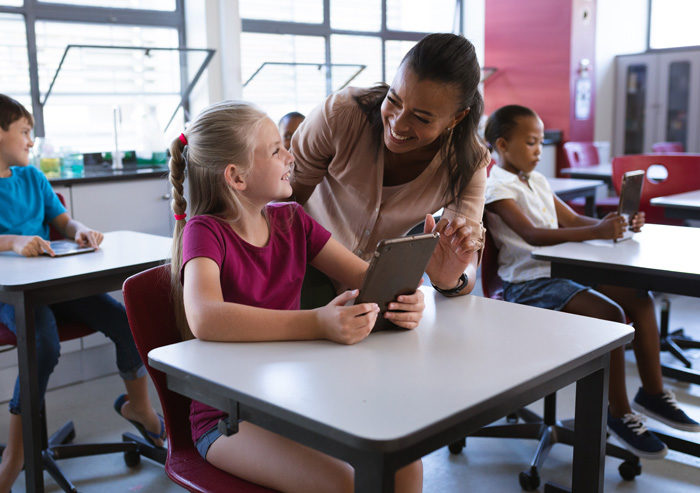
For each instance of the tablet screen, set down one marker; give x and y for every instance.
(61, 248)
(630, 195)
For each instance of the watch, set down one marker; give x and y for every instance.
(463, 280)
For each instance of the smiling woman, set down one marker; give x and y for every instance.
(371, 163)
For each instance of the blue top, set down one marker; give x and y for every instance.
(27, 203)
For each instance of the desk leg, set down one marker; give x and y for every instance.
(29, 394)
(590, 429)
(589, 207)
(373, 474)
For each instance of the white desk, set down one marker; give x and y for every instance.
(681, 205)
(660, 258)
(399, 395)
(571, 188)
(28, 282)
(598, 172)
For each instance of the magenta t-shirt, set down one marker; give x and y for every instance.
(266, 277)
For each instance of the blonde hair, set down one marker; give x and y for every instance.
(222, 134)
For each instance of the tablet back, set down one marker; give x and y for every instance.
(630, 195)
(396, 268)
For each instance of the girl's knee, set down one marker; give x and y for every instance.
(410, 478)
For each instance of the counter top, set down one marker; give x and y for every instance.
(100, 173)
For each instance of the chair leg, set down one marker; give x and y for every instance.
(675, 341)
(52, 468)
(65, 434)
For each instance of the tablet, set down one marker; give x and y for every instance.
(630, 195)
(62, 248)
(396, 268)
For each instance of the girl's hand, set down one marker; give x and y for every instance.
(452, 253)
(346, 324)
(638, 221)
(407, 310)
(89, 237)
(31, 246)
(611, 227)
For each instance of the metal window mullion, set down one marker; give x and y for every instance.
(134, 17)
(37, 108)
(649, 25)
(182, 43)
(383, 30)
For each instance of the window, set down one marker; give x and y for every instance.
(673, 23)
(14, 76)
(79, 112)
(349, 35)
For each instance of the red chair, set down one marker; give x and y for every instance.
(58, 445)
(582, 155)
(151, 317)
(666, 147)
(547, 429)
(683, 176)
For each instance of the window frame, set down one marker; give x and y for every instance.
(325, 30)
(35, 10)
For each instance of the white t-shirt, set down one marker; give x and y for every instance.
(536, 199)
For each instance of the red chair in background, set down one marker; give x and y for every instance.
(58, 445)
(682, 175)
(665, 147)
(547, 429)
(583, 155)
(151, 317)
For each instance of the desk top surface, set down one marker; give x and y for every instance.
(602, 170)
(467, 352)
(687, 200)
(120, 249)
(563, 185)
(659, 248)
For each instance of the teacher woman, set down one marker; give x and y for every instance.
(372, 163)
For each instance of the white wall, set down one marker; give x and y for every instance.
(474, 25)
(620, 29)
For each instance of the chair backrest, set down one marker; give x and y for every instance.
(663, 147)
(683, 176)
(491, 283)
(149, 307)
(581, 154)
(53, 233)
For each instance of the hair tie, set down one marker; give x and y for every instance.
(183, 139)
(179, 217)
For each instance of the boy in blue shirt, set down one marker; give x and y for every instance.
(28, 206)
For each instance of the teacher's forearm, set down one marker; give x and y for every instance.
(447, 275)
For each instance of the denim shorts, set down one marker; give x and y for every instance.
(545, 292)
(204, 442)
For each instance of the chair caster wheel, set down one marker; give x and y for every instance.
(512, 418)
(456, 447)
(530, 480)
(132, 458)
(630, 469)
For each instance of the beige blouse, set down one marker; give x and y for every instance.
(335, 151)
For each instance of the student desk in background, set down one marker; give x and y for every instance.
(598, 172)
(399, 395)
(568, 188)
(660, 258)
(681, 205)
(28, 282)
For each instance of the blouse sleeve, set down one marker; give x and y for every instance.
(312, 145)
(470, 205)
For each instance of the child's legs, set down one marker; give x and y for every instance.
(48, 347)
(639, 306)
(104, 313)
(266, 458)
(594, 304)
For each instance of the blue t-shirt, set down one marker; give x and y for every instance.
(27, 203)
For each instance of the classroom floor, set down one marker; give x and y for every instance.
(486, 464)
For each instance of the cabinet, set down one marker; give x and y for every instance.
(657, 99)
(138, 205)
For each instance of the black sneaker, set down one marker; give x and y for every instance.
(632, 433)
(664, 407)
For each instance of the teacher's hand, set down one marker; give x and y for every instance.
(453, 252)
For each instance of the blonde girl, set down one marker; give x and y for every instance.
(238, 265)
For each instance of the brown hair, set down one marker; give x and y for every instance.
(12, 110)
(222, 134)
(450, 59)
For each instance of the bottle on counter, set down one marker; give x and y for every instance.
(49, 160)
(72, 162)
